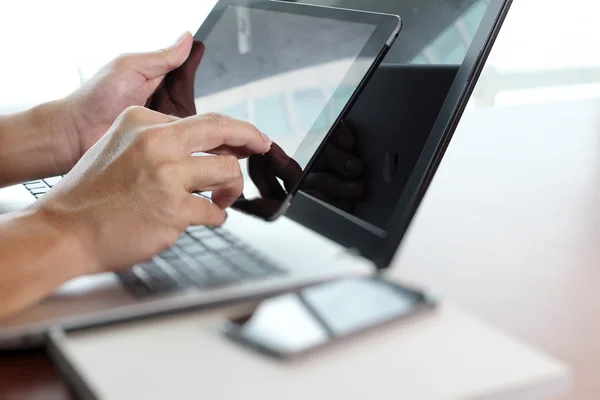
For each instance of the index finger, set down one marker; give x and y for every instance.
(284, 166)
(207, 132)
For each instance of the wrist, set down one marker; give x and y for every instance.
(55, 118)
(37, 257)
(68, 236)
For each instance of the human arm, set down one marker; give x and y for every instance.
(30, 143)
(47, 140)
(35, 257)
(127, 199)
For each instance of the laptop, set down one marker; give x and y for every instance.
(249, 258)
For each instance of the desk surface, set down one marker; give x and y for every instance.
(440, 354)
(521, 178)
(31, 376)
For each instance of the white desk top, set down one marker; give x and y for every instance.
(441, 354)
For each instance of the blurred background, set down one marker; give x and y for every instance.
(50, 47)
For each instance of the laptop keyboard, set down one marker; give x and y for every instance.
(203, 257)
(40, 187)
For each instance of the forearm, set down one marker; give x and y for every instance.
(35, 258)
(33, 145)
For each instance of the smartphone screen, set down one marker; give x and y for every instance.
(294, 323)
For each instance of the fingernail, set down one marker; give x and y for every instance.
(180, 38)
(266, 139)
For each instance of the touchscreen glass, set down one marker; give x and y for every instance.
(290, 74)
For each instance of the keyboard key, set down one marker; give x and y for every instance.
(209, 260)
(37, 187)
(185, 240)
(194, 249)
(247, 265)
(216, 243)
(195, 274)
(134, 283)
(201, 234)
(37, 182)
(168, 255)
(37, 192)
(153, 270)
(164, 285)
(218, 278)
(52, 181)
(157, 279)
(200, 228)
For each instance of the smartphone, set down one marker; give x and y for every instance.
(294, 324)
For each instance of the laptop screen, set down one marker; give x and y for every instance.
(364, 172)
(372, 177)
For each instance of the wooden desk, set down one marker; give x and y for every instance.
(30, 376)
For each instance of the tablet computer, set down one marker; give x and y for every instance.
(293, 70)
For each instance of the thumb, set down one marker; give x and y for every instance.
(158, 63)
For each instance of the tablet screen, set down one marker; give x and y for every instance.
(289, 73)
(279, 71)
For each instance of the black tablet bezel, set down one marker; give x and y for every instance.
(387, 28)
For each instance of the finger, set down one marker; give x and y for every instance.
(201, 211)
(341, 162)
(218, 174)
(344, 136)
(232, 151)
(180, 83)
(285, 167)
(206, 132)
(137, 115)
(158, 63)
(264, 178)
(332, 186)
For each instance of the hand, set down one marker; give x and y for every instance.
(175, 95)
(264, 169)
(130, 196)
(129, 80)
(335, 178)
